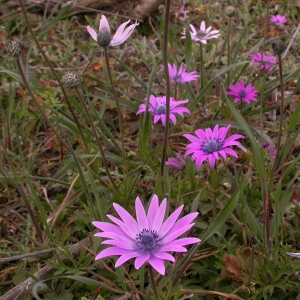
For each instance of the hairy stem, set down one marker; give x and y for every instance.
(152, 280)
(168, 88)
(120, 114)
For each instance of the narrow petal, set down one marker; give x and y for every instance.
(158, 264)
(111, 251)
(163, 255)
(122, 259)
(141, 215)
(169, 223)
(92, 32)
(141, 259)
(103, 23)
(157, 222)
(153, 208)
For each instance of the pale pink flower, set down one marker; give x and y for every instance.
(182, 15)
(104, 39)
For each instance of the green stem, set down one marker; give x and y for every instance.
(120, 114)
(168, 88)
(79, 95)
(202, 75)
(152, 280)
(277, 158)
(53, 71)
(228, 52)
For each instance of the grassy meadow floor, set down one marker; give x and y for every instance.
(67, 156)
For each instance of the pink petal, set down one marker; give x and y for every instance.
(92, 32)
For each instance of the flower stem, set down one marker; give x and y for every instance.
(120, 114)
(168, 88)
(228, 52)
(152, 280)
(202, 77)
(79, 95)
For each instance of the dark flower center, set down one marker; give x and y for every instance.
(177, 78)
(211, 146)
(201, 35)
(242, 94)
(147, 240)
(160, 109)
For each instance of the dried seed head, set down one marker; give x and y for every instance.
(71, 80)
(278, 46)
(15, 47)
(230, 11)
(104, 38)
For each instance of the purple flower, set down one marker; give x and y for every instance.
(104, 39)
(210, 143)
(270, 148)
(182, 15)
(177, 163)
(181, 76)
(203, 34)
(240, 92)
(260, 58)
(157, 107)
(149, 238)
(278, 20)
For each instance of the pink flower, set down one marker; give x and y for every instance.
(177, 163)
(242, 93)
(181, 76)
(182, 15)
(260, 58)
(203, 34)
(278, 20)
(209, 144)
(157, 107)
(270, 148)
(104, 39)
(149, 237)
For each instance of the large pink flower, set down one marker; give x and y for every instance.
(209, 144)
(157, 107)
(147, 239)
(104, 39)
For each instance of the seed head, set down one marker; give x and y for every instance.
(230, 11)
(72, 80)
(278, 46)
(15, 47)
(104, 38)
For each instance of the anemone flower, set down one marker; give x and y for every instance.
(177, 163)
(182, 15)
(209, 144)
(181, 75)
(242, 93)
(104, 39)
(203, 34)
(260, 58)
(157, 107)
(149, 237)
(270, 148)
(278, 20)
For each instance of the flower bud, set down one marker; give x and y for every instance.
(104, 37)
(15, 47)
(230, 11)
(71, 80)
(278, 46)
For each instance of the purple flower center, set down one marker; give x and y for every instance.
(212, 145)
(177, 78)
(242, 94)
(200, 35)
(160, 109)
(147, 240)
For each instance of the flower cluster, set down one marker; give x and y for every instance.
(157, 107)
(211, 144)
(149, 237)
